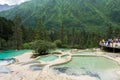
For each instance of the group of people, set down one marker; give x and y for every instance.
(110, 42)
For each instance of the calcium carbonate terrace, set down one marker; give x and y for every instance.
(71, 64)
(94, 66)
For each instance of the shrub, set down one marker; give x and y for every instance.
(3, 44)
(42, 47)
(26, 46)
(58, 43)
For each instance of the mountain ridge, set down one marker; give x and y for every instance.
(88, 13)
(6, 7)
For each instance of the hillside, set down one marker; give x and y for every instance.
(93, 15)
(6, 7)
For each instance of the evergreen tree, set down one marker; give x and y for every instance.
(62, 33)
(17, 32)
(73, 36)
(110, 31)
(5, 28)
(117, 32)
(53, 34)
(3, 44)
(28, 34)
(31, 34)
(65, 41)
(41, 33)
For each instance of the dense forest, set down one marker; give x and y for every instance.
(14, 35)
(66, 23)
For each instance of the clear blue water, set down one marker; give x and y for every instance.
(11, 53)
(99, 67)
(47, 58)
(4, 62)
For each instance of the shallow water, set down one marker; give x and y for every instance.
(11, 53)
(36, 67)
(99, 67)
(7, 61)
(6, 57)
(4, 69)
(47, 58)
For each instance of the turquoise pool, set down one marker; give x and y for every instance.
(47, 58)
(89, 51)
(11, 53)
(99, 67)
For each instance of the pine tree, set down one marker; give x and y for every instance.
(65, 40)
(17, 32)
(41, 33)
(31, 34)
(73, 37)
(110, 32)
(62, 33)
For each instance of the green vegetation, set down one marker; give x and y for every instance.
(42, 47)
(66, 23)
(5, 33)
(17, 32)
(93, 15)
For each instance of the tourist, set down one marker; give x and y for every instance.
(110, 42)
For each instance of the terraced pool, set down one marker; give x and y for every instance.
(6, 57)
(47, 58)
(12, 53)
(99, 67)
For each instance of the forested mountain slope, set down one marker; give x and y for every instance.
(68, 23)
(93, 15)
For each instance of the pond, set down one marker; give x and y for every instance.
(47, 58)
(12, 53)
(99, 67)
